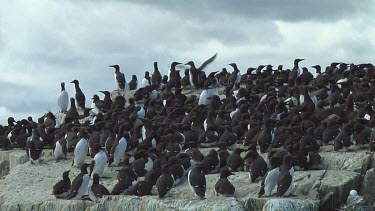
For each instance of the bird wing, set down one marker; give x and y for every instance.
(207, 62)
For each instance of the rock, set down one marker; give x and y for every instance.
(153, 203)
(36, 180)
(291, 204)
(339, 182)
(14, 157)
(367, 189)
(4, 168)
(357, 161)
(327, 202)
(357, 208)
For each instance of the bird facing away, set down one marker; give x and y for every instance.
(97, 191)
(223, 185)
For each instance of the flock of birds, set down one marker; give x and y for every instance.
(157, 134)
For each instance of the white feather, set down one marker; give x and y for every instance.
(63, 101)
(80, 152)
(205, 97)
(100, 162)
(271, 181)
(145, 82)
(58, 152)
(120, 151)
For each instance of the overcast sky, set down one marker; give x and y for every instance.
(45, 42)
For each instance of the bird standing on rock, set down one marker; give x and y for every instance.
(80, 97)
(285, 177)
(100, 160)
(165, 182)
(120, 79)
(235, 77)
(63, 100)
(146, 79)
(156, 76)
(81, 149)
(197, 181)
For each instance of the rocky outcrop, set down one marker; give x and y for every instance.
(28, 187)
(368, 186)
(291, 204)
(357, 161)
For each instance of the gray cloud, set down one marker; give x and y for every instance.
(286, 10)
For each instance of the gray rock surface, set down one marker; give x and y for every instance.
(368, 186)
(28, 186)
(291, 204)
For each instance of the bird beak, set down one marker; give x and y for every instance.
(112, 65)
(72, 82)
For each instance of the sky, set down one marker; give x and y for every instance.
(46, 42)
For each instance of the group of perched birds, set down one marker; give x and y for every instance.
(156, 135)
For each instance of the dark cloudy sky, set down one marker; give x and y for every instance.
(45, 42)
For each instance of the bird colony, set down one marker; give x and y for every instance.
(154, 139)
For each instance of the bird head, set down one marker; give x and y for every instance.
(74, 81)
(234, 65)
(116, 66)
(296, 61)
(191, 63)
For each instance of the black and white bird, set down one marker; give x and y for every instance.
(196, 79)
(197, 181)
(34, 147)
(81, 149)
(97, 191)
(146, 81)
(285, 177)
(61, 188)
(99, 162)
(79, 184)
(63, 100)
(269, 181)
(61, 148)
(120, 79)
